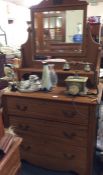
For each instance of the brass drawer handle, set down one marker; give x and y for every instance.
(24, 127)
(69, 113)
(69, 156)
(69, 136)
(42, 103)
(25, 148)
(21, 108)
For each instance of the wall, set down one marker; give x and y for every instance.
(16, 31)
(96, 10)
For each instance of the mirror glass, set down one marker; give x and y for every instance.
(58, 28)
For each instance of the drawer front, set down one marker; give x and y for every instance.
(70, 133)
(59, 151)
(50, 110)
(54, 164)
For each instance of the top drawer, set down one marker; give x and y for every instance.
(49, 110)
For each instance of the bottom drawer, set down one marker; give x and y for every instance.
(54, 164)
(53, 155)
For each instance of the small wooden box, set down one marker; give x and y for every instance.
(10, 164)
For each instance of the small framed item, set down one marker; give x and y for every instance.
(76, 85)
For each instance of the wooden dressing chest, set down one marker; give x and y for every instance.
(59, 132)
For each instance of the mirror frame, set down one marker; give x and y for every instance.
(61, 5)
(90, 49)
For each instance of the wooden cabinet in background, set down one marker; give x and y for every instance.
(96, 31)
(59, 132)
(1, 125)
(2, 62)
(49, 28)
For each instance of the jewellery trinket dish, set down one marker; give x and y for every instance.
(31, 85)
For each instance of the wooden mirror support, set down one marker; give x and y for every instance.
(71, 52)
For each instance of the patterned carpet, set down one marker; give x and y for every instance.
(28, 169)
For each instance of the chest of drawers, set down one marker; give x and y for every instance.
(59, 132)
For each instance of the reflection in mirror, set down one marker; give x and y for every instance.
(58, 27)
(74, 26)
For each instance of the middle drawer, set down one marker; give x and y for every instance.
(73, 134)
